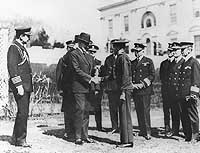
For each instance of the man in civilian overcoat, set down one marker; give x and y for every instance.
(82, 78)
(110, 86)
(125, 87)
(143, 74)
(20, 82)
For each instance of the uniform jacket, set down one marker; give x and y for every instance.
(109, 72)
(164, 76)
(63, 73)
(174, 72)
(19, 67)
(141, 71)
(123, 72)
(189, 79)
(81, 71)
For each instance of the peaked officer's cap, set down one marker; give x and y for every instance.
(23, 30)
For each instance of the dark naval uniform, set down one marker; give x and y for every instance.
(174, 73)
(164, 77)
(20, 73)
(110, 86)
(189, 83)
(64, 80)
(143, 72)
(124, 82)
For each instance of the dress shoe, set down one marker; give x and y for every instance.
(114, 131)
(88, 140)
(78, 142)
(172, 133)
(125, 145)
(147, 137)
(25, 145)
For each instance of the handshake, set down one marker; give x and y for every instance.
(96, 79)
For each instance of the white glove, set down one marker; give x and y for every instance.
(20, 90)
(96, 80)
(122, 96)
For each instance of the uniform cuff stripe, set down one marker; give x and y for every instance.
(147, 81)
(194, 89)
(16, 79)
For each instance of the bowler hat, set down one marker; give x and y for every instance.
(93, 48)
(84, 37)
(23, 30)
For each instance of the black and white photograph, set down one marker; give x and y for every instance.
(99, 76)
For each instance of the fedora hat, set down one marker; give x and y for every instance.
(84, 37)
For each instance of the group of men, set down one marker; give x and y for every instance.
(82, 79)
(180, 80)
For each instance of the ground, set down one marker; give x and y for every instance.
(45, 134)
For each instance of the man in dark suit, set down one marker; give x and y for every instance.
(20, 82)
(174, 72)
(125, 86)
(189, 83)
(143, 74)
(110, 86)
(64, 79)
(164, 77)
(82, 78)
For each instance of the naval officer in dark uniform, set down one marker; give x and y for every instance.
(20, 82)
(143, 74)
(189, 83)
(164, 77)
(96, 90)
(174, 72)
(64, 79)
(125, 87)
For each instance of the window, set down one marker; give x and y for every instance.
(173, 14)
(148, 20)
(196, 13)
(110, 27)
(126, 25)
(197, 44)
(148, 23)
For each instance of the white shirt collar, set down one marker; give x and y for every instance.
(188, 57)
(139, 58)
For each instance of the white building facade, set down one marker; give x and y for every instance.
(153, 22)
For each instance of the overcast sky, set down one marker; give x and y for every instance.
(65, 17)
